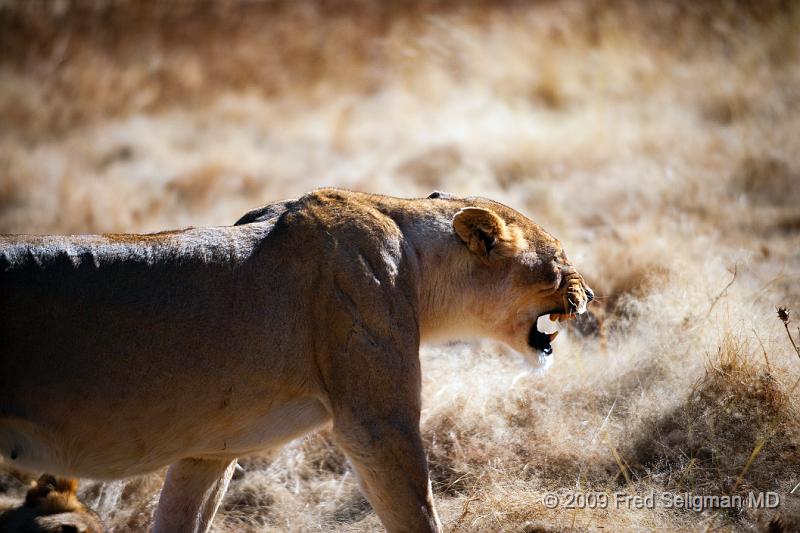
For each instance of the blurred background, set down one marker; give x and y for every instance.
(657, 140)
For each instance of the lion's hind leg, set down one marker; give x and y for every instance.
(32, 447)
(191, 494)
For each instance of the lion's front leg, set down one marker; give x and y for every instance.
(374, 394)
(191, 494)
(389, 459)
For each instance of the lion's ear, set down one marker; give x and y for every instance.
(485, 233)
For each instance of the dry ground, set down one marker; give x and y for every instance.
(658, 141)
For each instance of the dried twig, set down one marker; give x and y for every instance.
(753, 455)
(783, 315)
(724, 290)
(763, 350)
(621, 465)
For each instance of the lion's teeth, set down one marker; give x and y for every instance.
(553, 336)
(546, 324)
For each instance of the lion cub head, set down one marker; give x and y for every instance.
(51, 506)
(518, 273)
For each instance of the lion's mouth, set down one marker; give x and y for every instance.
(544, 331)
(540, 341)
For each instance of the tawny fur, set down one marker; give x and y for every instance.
(204, 345)
(51, 494)
(51, 506)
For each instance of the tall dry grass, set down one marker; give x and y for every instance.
(657, 141)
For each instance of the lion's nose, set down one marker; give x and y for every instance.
(589, 294)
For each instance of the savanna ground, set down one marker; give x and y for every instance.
(659, 141)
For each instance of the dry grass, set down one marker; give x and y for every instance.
(658, 141)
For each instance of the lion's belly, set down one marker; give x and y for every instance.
(276, 427)
(82, 451)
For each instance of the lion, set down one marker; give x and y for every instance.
(122, 354)
(51, 506)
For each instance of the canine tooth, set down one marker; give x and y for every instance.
(553, 336)
(555, 317)
(546, 325)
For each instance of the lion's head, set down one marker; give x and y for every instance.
(51, 506)
(528, 273)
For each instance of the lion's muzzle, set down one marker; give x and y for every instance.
(577, 296)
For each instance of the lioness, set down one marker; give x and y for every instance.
(125, 353)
